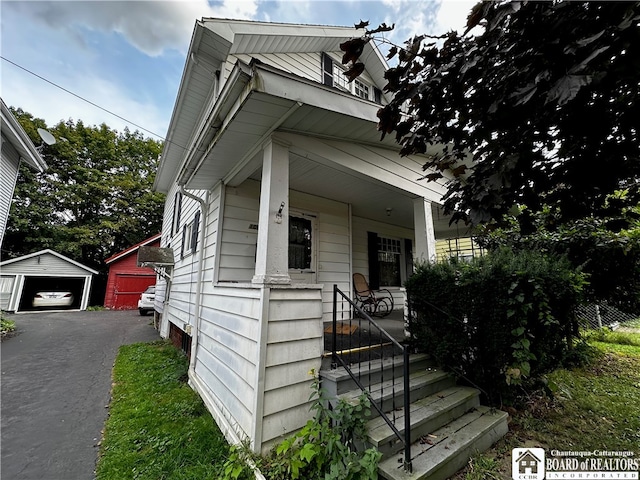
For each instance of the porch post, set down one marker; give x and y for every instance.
(272, 256)
(425, 247)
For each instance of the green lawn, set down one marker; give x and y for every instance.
(594, 407)
(158, 427)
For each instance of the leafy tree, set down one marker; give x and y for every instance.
(94, 200)
(539, 109)
(610, 257)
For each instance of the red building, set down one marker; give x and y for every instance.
(126, 280)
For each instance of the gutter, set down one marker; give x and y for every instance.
(204, 208)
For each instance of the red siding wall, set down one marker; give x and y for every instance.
(127, 281)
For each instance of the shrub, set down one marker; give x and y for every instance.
(328, 447)
(499, 320)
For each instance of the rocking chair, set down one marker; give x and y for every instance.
(372, 302)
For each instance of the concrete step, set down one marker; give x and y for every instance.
(427, 415)
(442, 453)
(338, 381)
(389, 395)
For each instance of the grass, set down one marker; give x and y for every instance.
(6, 326)
(593, 407)
(158, 427)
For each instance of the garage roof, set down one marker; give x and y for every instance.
(132, 249)
(47, 252)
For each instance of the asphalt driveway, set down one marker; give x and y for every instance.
(56, 379)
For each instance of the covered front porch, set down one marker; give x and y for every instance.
(302, 194)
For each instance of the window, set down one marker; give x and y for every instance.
(190, 236)
(390, 260)
(300, 251)
(332, 75)
(360, 89)
(389, 253)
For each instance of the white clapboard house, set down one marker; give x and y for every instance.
(278, 187)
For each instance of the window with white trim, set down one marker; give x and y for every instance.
(333, 76)
(389, 261)
(190, 236)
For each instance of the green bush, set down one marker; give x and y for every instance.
(499, 320)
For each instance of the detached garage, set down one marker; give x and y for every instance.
(21, 278)
(126, 280)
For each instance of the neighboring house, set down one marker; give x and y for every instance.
(126, 281)
(21, 278)
(278, 187)
(16, 147)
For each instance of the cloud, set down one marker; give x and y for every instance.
(452, 15)
(49, 103)
(150, 26)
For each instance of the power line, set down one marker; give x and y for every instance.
(85, 100)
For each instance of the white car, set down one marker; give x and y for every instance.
(145, 304)
(52, 299)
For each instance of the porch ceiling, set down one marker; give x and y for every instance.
(369, 199)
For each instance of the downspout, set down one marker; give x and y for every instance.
(204, 207)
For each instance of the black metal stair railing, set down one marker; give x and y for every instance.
(367, 345)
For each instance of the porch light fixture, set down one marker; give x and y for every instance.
(279, 214)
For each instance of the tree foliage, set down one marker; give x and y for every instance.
(94, 200)
(610, 257)
(539, 109)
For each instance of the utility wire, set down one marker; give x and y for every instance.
(85, 100)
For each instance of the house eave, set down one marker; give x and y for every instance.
(15, 134)
(287, 92)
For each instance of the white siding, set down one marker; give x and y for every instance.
(240, 235)
(227, 354)
(181, 308)
(9, 163)
(7, 283)
(294, 347)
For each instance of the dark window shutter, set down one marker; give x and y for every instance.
(374, 266)
(194, 232)
(177, 207)
(184, 237)
(327, 70)
(377, 95)
(408, 256)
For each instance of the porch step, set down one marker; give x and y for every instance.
(442, 453)
(427, 415)
(337, 381)
(390, 394)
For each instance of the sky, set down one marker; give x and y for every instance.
(128, 56)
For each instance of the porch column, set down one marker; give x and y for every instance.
(425, 247)
(272, 256)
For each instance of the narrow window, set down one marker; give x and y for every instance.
(300, 243)
(327, 70)
(361, 90)
(389, 256)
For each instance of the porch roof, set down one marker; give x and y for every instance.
(335, 151)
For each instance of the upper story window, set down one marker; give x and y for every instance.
(333, 76)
